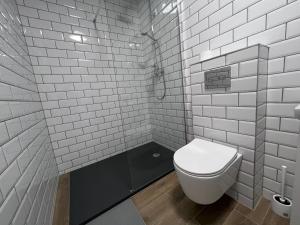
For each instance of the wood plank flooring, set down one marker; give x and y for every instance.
(62, 202)
(164, 203)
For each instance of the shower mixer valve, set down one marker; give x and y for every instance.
(158, 72)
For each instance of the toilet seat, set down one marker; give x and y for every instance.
(203, 158)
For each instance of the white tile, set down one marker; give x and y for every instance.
(248, 68)
(8, 208)
(3, 163)
(292, 63)
(284, 48)
(270, 172)
(269, 36)
(221, 40)
(53, 35)
(244, 84)
(209, 33)
(248, 154)
(14, 127)
(201, 100)
(247, 99)
(291, 79)
(275, 65)
(241, 140)
(287, 152)
(274, 95)
(4, 134)
(284, 138)
(37, 23)
(192, 20)
(250, 28)
(234, 21)
(197, 78)
(273, 123)
(239, 5)
(214, 111)
(36, 4)
(11, 149)
(199, 27)
(26, 11)
(220, 15)
(284, 14)
(9, 178)
(202, 121)
(234, 46)
(197, 5)
(197, 110)
(292, 28)
(242, 55)
(22, 212)
(197, 89)
(225, 99)
(291, 95)
(280, 109)
(212, 7)
(276, 162)
(241, 113)
(215, 134)
(247, 167)
(289, 125)
(263, 7)
(247, 128)
(224, 124)
(61, 27)
(271, 149)
(5, 112)
(213, 63)
(49, 16)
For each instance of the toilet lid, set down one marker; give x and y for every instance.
(204, 158)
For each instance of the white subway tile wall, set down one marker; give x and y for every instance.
(28, 171)
(97, 85)
(251, 22)
(166, 115)
(91, 84)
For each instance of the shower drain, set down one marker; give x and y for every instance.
(155, 155)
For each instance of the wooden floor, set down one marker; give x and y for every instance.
(62, 203)
(164, 203)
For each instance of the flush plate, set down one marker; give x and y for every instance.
(218, 78)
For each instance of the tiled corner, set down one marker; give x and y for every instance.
(28, 171)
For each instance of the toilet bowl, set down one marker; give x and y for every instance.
(206, 170)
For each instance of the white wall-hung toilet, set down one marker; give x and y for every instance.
(206, 170)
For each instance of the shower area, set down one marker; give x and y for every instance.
(110, 81)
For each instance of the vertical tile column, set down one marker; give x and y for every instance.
(235, 116)
(261, 111)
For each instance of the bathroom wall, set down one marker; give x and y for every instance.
(212, 28)
(167, 115)
(28, 171)
(91, 83)
(235, 115)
